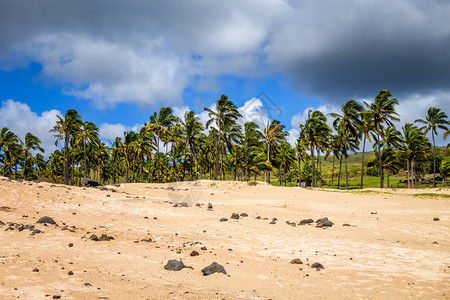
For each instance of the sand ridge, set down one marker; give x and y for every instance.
(398, 252)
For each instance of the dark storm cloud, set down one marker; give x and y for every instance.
(139, 51)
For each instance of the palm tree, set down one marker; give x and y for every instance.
(382, 110)
(347, 126)
(88, 132)
(365, 127)
(31, 143)
(224, 115)
(391, 140)
(251, 139)
(273, 135)
(159, 124)
(64, 129)
(313, 132)
(191, 128)
(435, 119)
(8, 140)
(286, 156)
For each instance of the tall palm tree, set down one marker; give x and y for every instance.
(251, 139)
(286, 156)
(273, 134)
(31, 142)
(88, 133)
(313, 131)
(191, 133)
(382, 110)
(392, 139)
(346, 124)
(8, 141)
(435, 119)
(159, 124)
(224, 115)
(64, 129)
(365, 127)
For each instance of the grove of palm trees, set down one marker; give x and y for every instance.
(169, 149)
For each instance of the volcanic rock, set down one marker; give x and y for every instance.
(46, 220)
(213, 268)
(175, 265)
(306, 221)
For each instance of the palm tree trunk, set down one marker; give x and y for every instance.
(313, 172)
(388, 178)
(380, 168)
(434, 160)
(340, 169)
(362, 163)
(66, 160)
(268, 163)
(157, 159)
(319, 163)
(332, 172)
(84, 152)
(24, 165)
(407, 170)
(346, 170)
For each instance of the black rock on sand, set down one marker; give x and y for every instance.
(175, 265)
(213, 268)
(46, 220)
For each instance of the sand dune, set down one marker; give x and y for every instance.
(399, 252)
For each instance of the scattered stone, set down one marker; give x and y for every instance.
(296, 261)
(345, 224)
(244, 215)
(88, 182)
(198, 204)
(274, 219)
(70, 273)
(273, 222)
(93, 237)
(324, 222)
(105, 237)
(223, 219)
(9, 228)
(203, 248)
(146, 240)
(435, 243)
(436, 219)
(46, 220)
(258, 217)
(306, 221)
(35, 270)
(183, 204)
(87, 284)
(210, 206)
(213, 268)
(317, 265)
(373, 212)
(194, 253)
(175, 265)
(56, 297)
(234, 216)
(2, 224)
(5, 208)
(70, 245)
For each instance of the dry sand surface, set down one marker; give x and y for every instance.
(399, 252)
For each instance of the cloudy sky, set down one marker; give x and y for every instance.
(118, 61)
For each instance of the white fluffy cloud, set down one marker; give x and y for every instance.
(109, 132)
(20, 119)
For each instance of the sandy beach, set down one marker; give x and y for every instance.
(390, 247)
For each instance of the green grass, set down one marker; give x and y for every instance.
(433, 195)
